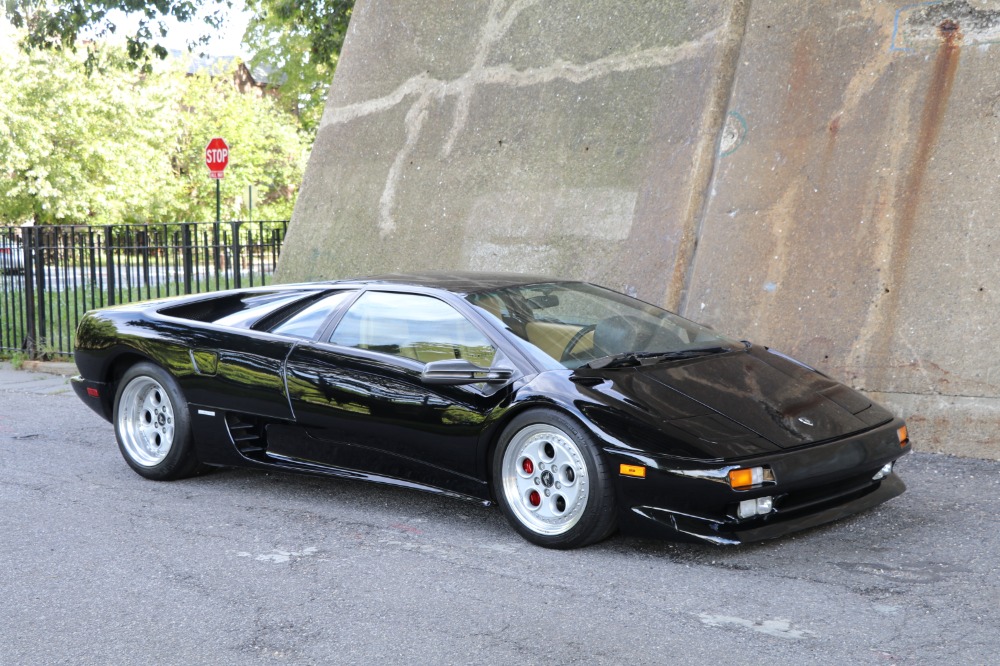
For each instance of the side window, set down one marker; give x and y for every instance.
(306, 322)
(417, 327)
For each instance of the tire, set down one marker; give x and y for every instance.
(152, 424)
(552, 483)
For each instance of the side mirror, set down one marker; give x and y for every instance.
(460, 371)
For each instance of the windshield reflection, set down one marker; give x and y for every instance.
(574, 323)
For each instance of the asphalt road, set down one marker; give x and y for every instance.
(99, 566)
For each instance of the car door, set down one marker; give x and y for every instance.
(360, 403)
(238, 369)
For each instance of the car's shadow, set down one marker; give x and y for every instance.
(439, 516)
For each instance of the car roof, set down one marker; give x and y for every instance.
(456, 282)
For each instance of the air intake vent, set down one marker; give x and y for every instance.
(247, 434)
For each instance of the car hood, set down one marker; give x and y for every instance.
(745, 402)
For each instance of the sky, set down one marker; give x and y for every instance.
(179, 34)
(227, 43)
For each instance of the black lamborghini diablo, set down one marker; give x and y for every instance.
(577, 409)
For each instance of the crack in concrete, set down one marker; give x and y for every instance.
(428, 88)
(414, 123)
(706, 156)
(505, 74)
(493, 30)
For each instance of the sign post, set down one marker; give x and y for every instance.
(216, 159)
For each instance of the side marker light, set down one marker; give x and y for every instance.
(637, 471)
(93, 393)
(904, 436)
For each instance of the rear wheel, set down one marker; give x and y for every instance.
(152, 424)
(551, 481)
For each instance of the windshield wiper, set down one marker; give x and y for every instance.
(630, 359)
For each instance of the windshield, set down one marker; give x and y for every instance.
(574, 323)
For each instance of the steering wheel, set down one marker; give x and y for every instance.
(575, 340)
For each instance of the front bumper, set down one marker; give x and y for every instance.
(688, 501)
(733, 533)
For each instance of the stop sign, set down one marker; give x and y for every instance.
(216, 157)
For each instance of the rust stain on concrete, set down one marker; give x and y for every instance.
(938, 92)
(931, 118)
(802, 108)
(834, 127)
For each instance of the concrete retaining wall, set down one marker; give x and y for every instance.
(822, 179)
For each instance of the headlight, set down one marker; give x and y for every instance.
(755, 507)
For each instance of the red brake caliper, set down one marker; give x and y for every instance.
(529, 468)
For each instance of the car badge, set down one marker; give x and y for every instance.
(805, 421)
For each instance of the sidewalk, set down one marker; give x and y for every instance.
(37, 377)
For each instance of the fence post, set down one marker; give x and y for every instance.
(237, 279)
(40, 296)
(186, 254)
(142, 243)
(109, 263)
(31, 333)
(216, 252)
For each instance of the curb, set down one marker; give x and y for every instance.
(62, 368)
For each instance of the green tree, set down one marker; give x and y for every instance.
(117, 146)
(58, 24)
(266, 149)
(297, 42)
(300, 40)
(79, 149)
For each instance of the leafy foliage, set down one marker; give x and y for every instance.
(79, 149)
(59, 24)
(117, 146)
(126, 144)
(296, 42)
(300, 40)
(266, 149)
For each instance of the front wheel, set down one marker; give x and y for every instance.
(551, 482)
(152, 425)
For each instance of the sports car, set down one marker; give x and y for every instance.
(576, 409)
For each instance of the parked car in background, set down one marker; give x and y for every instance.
(11, 257)
(575, 408)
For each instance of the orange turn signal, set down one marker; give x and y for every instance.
(741, 478)
(749, 477)
(904, 437)
(632, 470)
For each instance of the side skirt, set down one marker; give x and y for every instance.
(230, 439)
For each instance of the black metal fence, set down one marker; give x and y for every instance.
(50, 276)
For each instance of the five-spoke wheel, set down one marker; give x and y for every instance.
(152, 425)
(545, 479)
(551, 481)
(146, 421)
